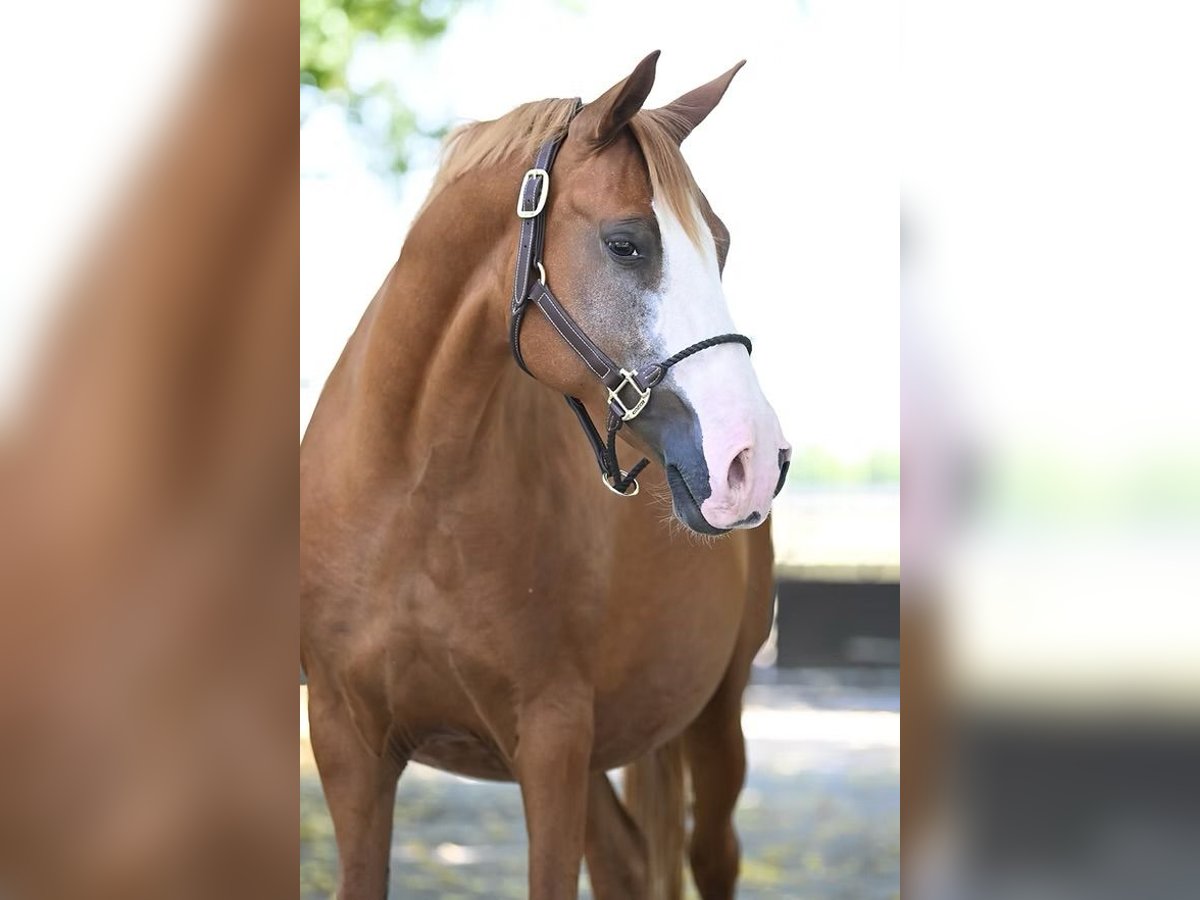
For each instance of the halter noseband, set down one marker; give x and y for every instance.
(628, 390)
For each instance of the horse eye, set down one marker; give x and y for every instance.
(624, 249)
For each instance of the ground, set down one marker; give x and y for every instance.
(819, 817)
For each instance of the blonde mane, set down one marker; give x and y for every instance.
(520, 132)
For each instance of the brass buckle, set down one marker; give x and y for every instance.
(614, 396)
(608, 484)
(540, 200)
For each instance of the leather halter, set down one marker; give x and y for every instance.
(629, 391)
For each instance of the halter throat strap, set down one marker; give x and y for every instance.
(629, 391)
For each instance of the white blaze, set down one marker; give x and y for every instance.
(720, 383)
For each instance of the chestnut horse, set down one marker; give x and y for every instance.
(473, 598)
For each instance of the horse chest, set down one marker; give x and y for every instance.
(652, 683)
(653, 637)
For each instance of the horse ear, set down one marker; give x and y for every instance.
(601, 120)
(693, 107)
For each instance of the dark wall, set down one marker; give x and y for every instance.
(836, 623)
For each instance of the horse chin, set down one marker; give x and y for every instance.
(687, 509)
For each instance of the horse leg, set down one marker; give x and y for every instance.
(360, 789)
(615, 847)
(716, 755)
(552, 766)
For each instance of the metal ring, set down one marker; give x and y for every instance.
(608, 484)
(542, 274)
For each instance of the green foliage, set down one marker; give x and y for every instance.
(816, 467)
(331, 31)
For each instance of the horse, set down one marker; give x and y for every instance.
(473, 599)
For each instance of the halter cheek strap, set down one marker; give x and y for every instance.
(629, 391)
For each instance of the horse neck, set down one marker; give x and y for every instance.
(436, 370)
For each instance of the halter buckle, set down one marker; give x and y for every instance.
(539, 201)
(608, 484)
(614, 396)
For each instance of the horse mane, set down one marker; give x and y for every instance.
(521, 131)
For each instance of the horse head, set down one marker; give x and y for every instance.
(636, 254)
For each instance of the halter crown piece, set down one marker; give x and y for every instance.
(628, 390)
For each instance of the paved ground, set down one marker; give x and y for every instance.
(819, 817)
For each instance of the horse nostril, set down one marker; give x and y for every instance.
(785, 461)
(737, 470)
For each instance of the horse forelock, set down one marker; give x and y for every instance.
(519, 133)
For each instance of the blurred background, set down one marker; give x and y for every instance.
(149, 205)
(1051, 441)
(811, 278)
